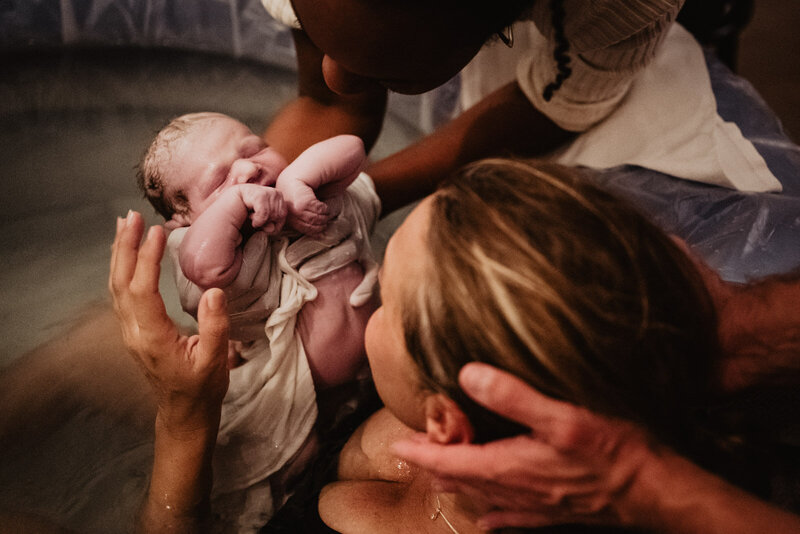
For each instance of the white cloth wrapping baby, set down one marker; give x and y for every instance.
(270, 407)
(667, 121)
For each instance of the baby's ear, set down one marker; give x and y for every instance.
(445, 422)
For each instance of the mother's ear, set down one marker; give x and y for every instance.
(445, 422)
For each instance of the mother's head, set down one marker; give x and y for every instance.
(538, 272)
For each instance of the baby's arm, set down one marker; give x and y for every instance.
(323, 171)
(211, 253)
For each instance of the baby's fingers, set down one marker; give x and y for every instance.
(271, 215)
(312, 219)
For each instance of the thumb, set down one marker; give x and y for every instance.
(213, 325)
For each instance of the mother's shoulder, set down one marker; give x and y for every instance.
(367, 454)
(376, 491)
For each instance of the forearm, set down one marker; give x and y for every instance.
(180, 486)
(210, 254)
(503, 124)
(318, 113)
(760, 333)
(305, 121)
(673, 495)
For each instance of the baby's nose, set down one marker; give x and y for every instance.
(245, 171)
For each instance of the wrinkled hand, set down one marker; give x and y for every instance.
(188, 374)
(573, 467)
(266, 206)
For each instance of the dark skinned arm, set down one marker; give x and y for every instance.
(318, 113)
(502, 124)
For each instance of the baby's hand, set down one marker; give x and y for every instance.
(307, 214)
(322, 171)
(265, 205)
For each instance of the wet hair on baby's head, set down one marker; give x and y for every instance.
(150, 175)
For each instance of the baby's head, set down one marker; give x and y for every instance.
(196, 157)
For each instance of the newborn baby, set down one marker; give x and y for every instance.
(242, 220)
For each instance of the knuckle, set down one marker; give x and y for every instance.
(597, 505)
(137, 289)
(113, 284)
(571, 435)
(556, 497)
(504, 473)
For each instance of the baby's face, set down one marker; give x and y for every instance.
(216, 154)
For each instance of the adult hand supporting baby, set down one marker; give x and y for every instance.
(188, 375)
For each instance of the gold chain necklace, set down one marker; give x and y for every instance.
(438, 513)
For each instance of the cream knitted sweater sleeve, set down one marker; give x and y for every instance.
(609, 42)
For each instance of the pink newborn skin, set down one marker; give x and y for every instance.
(211, 252)
(332, 331)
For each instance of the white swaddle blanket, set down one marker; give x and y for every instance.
(667, 121)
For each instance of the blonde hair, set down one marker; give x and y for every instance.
(538, 272)
(150, 174)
